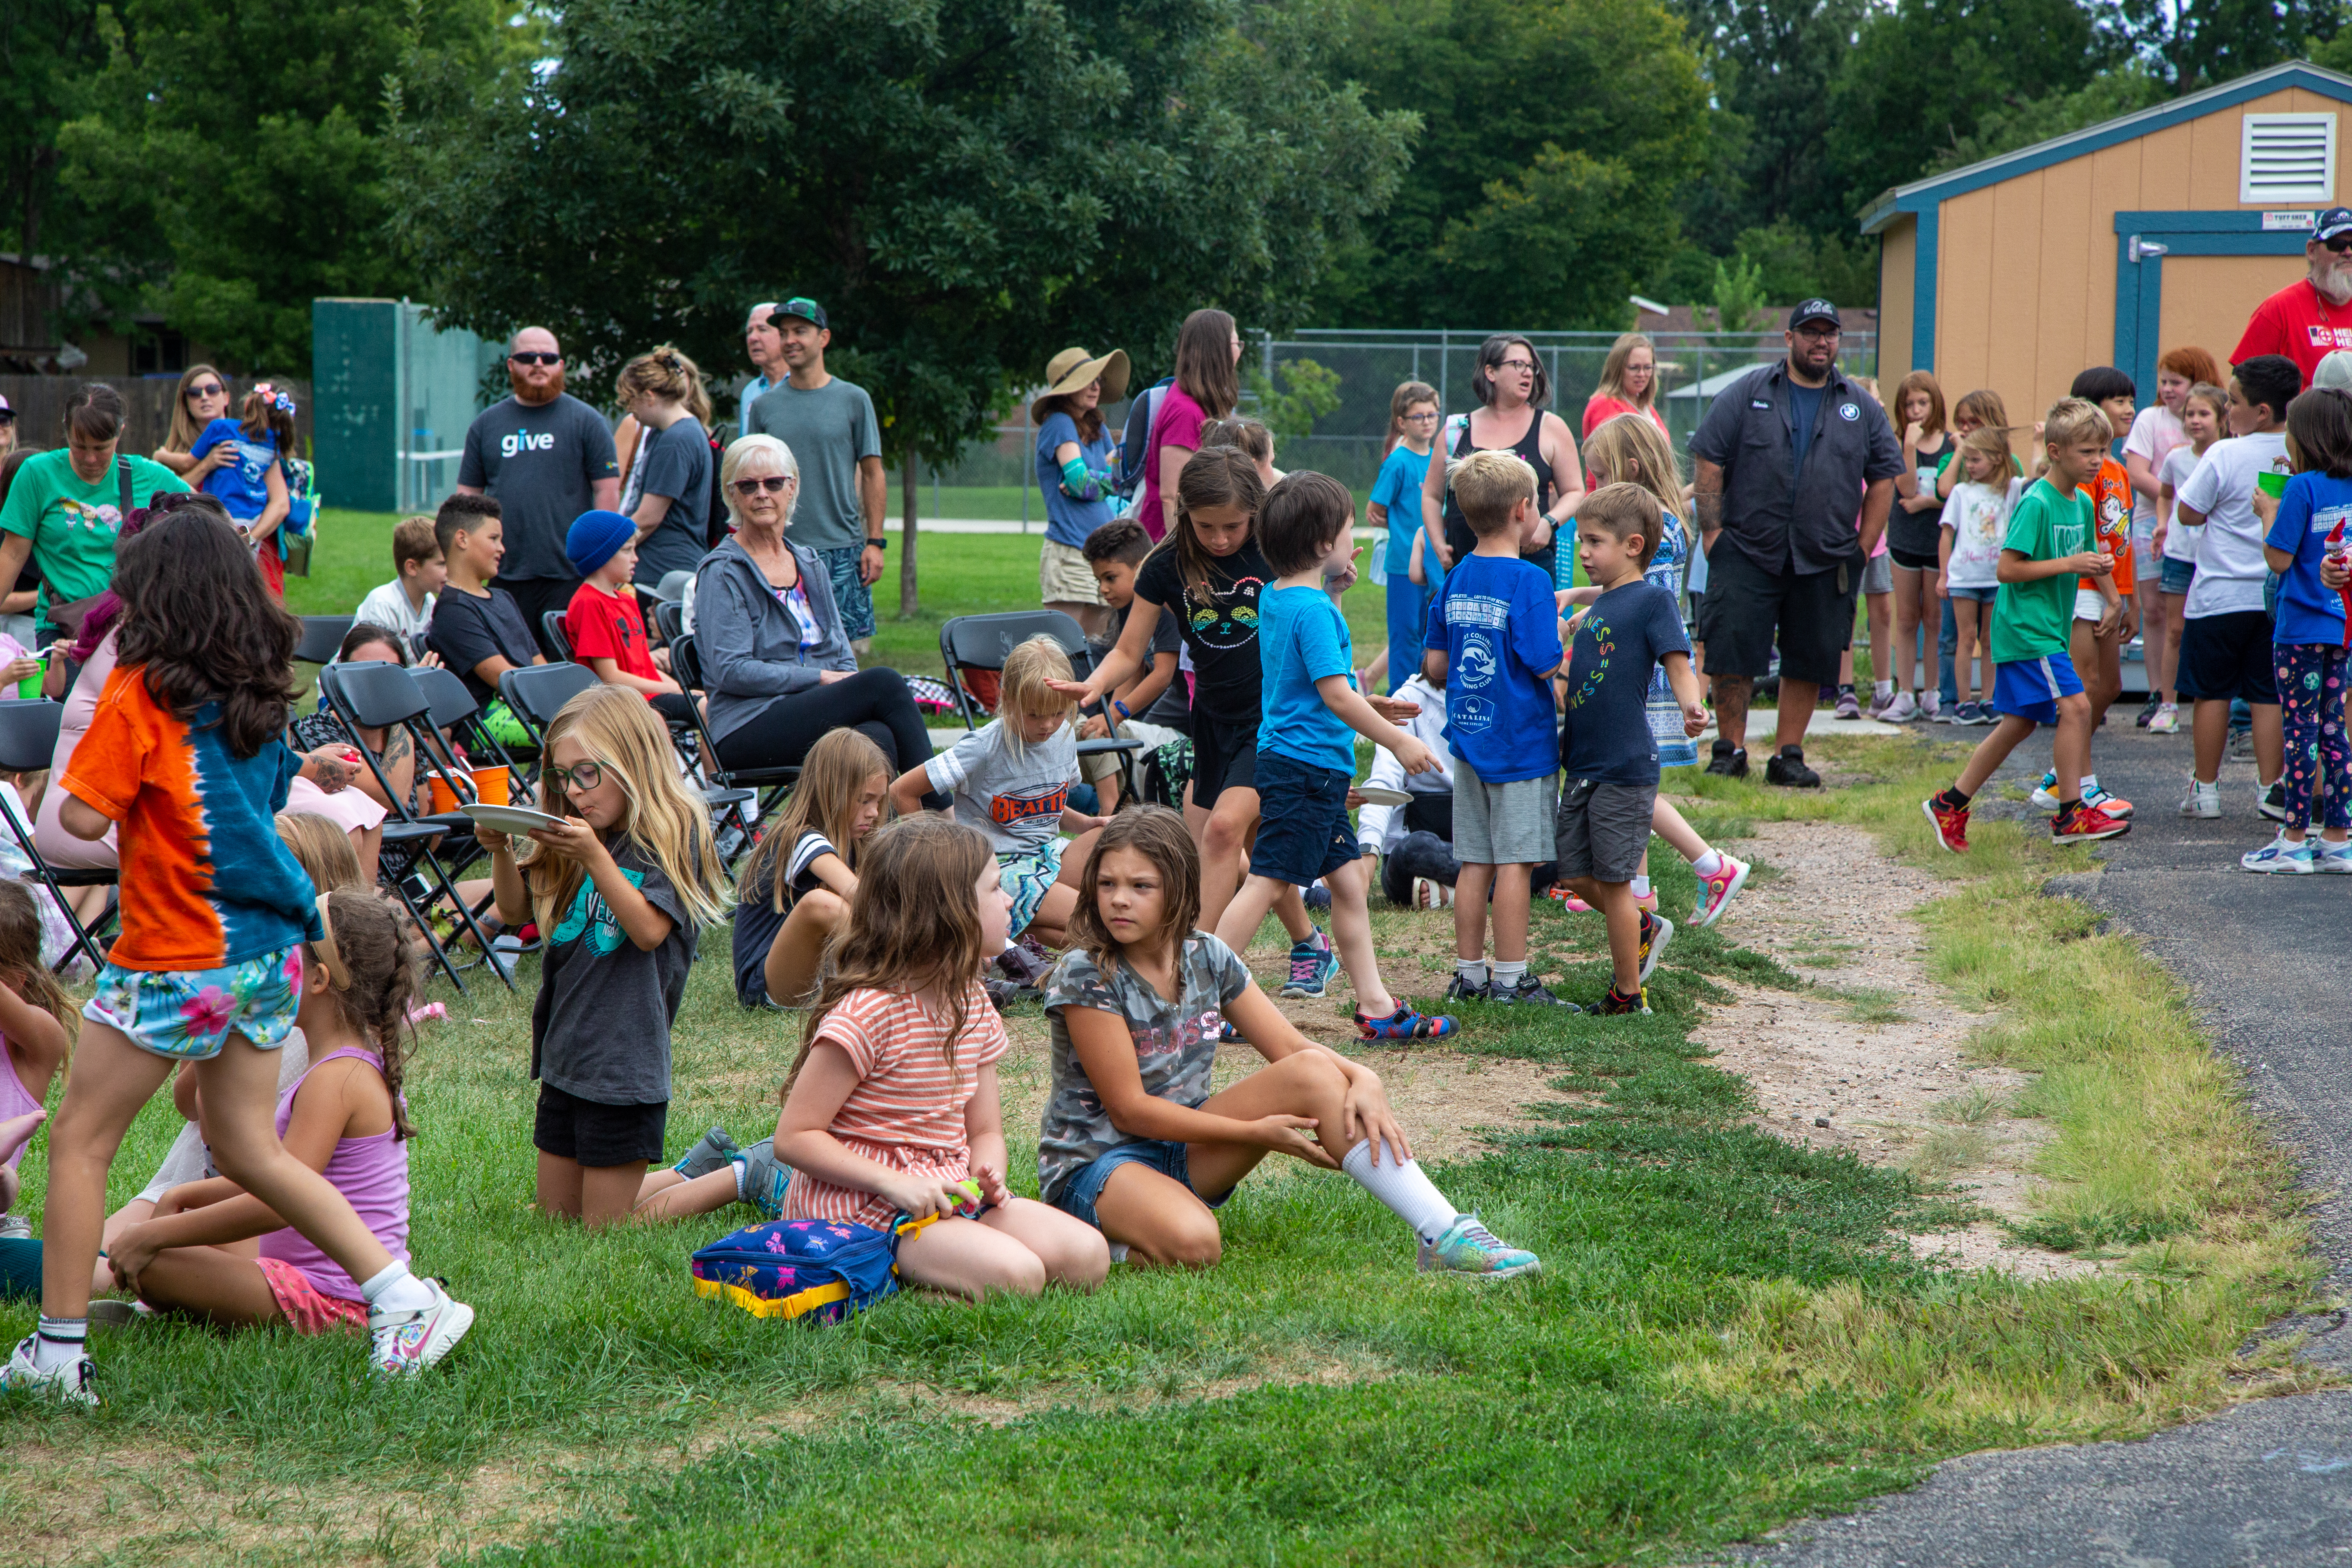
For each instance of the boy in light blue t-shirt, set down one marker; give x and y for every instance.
(1492, 638)
(1306, 761)
(1395, 507)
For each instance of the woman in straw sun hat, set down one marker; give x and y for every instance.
(1075, 459)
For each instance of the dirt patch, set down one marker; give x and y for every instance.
(1867, 1057)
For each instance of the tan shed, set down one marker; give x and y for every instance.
(2106, 246)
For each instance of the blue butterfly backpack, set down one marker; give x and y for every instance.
(788, 1269)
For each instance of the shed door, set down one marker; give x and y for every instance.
(2207, 299)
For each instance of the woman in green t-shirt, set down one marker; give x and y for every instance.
(65, 506)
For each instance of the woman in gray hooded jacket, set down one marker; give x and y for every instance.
(773, 654)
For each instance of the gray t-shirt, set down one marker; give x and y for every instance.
(1015, 799)
(600, 1027)
(828, 430)
(678, 465)
(1175, 1045)
(540, 462)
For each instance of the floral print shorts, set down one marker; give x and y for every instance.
(187, 1015)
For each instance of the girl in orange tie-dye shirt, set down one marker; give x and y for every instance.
(187, 756)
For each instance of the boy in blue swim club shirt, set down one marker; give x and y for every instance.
(1608, 757)
(1305, 759)
(1492, 642)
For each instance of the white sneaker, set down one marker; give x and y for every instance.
(75, 1382)
(1902, 710)
(2203, 800)
(2045, 794)
(2278, 855)
(404, 1344)
(1929, 704)
(2166, 721)
(2336, 857)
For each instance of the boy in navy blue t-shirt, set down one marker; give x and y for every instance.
(1493, 640)
(1608, 758)
(1305, 759)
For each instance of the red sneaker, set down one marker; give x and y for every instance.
(2080, 823)
(1951, 823)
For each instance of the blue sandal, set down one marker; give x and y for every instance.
(1405, 1023)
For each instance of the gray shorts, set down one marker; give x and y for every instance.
(1878, 576)
(1502, 824)
(1603, 829)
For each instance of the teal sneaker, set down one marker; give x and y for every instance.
(2279, 856)
(712, 1150)
(2335, 858)
(765, 1177)
(1312, 965)
(1469, 1247)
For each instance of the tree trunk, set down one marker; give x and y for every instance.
(909, 490)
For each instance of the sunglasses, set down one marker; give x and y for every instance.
(582, 775)
(2339, 245)
(214, 390)
(7, 416)
(773, 484)
(536, 359)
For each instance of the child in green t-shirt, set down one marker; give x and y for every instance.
(2051, 541)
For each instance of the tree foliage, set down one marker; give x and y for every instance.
(967, 185)
(1555, 135)
(1308, 392)
(228, 161)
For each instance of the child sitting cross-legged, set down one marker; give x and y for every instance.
(892, 1103)
(2051, 541)
(1010, 778)
(1306, 748)
(1133, 1141)
(621, 888)
(1492, 638)
(1608, 753)
(343, 1117)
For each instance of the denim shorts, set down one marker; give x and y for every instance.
(1303, 832)
(2177, 576)
(1982, 596)
(1083, 1189)
(188, 1015)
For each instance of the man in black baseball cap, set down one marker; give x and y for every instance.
(2311, 316)
(1786, 459)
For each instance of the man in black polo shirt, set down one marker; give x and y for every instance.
(1787, 457)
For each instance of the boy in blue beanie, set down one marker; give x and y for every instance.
(604, 625)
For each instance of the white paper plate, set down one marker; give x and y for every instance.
(1380, 794)
(510, 819)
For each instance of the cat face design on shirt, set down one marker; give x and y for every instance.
(1229, 617)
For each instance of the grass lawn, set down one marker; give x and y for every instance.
(961, 575)
(1725, 1333)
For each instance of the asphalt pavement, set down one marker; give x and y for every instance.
(2266, 1483)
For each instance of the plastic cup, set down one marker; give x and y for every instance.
(490, 785)
(29, 688)
(2272, 484)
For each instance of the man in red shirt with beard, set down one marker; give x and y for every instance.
(2307, 320)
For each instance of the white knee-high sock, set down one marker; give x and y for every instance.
(1410, 1195)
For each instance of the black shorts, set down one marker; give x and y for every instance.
(1911, 562)
(1812, 612)
(676, 708)
(571, 1128)
(1224, 756)
(2227, 656)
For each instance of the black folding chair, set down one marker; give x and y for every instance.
(983, 643)
(533, 693)
(772, 783)
(455, 715)
(382, 696)
(29, 742)
(323, 638)
(669, 621)
(551, 624)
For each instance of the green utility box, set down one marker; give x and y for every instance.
(392, 397)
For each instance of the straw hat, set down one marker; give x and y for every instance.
(1070, 372)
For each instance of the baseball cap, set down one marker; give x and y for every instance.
(8, 410)
(2334, 370)
(1813, 311)
(2333, 223)
(807, 310)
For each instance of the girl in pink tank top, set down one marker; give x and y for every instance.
(344, 1118)
(34, 1012)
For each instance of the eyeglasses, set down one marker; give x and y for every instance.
(773, 484)
(214, 390)
(1819, 334)
(536, 359)
(1527, 365)
(582, 775)
(1428, 418)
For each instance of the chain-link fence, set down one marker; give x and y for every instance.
(1347, 443)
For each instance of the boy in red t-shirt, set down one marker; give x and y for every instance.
(604, 625)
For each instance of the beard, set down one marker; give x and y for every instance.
(525, 393)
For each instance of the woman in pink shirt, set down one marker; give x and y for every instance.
(1208, 348)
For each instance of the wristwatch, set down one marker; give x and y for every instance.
(878, 544)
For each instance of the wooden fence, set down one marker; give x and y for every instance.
(40, 405)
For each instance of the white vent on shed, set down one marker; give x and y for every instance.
(2287, 158)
